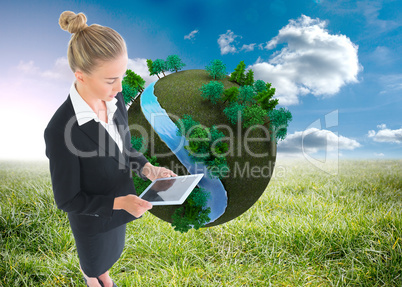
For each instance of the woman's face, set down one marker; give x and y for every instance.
(105, 81)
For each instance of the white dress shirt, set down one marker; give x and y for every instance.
(84, 114)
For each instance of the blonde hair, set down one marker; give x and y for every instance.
(89, 45)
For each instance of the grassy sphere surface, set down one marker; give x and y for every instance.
(251, 155)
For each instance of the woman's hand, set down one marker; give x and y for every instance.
(132, 204)
(154, 172)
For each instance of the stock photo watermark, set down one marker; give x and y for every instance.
(238, 139)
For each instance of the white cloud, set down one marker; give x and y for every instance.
(191, 36)
(248, 48)
(314, 140)
(379, 154)
(371, 10)
(313, 61)
(27, 67)
(60, 71)
(386, 135)
(382, 55)
(225, 42)
(139, 66)
(382, 126)
(392, 83)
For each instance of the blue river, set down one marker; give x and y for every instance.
(166, 129)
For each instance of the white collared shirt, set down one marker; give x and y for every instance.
(84, 114)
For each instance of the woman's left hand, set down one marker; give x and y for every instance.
(154, 172)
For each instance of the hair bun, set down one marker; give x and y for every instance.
(71, 22)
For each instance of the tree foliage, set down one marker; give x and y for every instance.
(138, 143)
(216, 69)
(129, 93)
(218, 147)
(174, 63)
(259, 86)
(264, 98)
(134, 81)
(212, 91)
(204, 144)
(150, 69)
(238, 74)
(254, 115)
(159, 66)
(193, 213)
(185, 125)
(246, 95)
(231, 95)
(234, 112)
(199, 143)
(279, 122)
(249, 81)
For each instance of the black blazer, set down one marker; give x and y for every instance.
(88, 170)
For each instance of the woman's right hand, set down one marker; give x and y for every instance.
(132, 204)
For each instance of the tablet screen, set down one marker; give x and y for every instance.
(171, 190)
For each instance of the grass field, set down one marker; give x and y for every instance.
(308, 229)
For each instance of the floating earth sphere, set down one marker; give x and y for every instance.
(251, 152)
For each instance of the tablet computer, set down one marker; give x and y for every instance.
(171, 190)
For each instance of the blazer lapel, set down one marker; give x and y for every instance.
(107, 146)
(125, 135)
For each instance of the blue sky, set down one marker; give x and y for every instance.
(337, 60)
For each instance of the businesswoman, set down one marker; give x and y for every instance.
(90, 155)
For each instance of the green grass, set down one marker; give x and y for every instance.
(308, 229)
(180, 93)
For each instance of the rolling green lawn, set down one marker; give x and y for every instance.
(308, 229)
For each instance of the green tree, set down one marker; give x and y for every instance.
(186, 218)
(254, 115)
(174, 63)
(259, 86)
(193, 213)
(159, 66)
(218, 167)
(231, 94)
(185, 124)
(246, 95)
(134, 80)
(234, 112)
(212, 91)
(249, 81)
(138, 143)
(279, 120)
(129, 93)
(216, 69)
(205, 145)
(199, 144)
(238, 74)
(217, 147)
(149, 65)
(264, 98)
